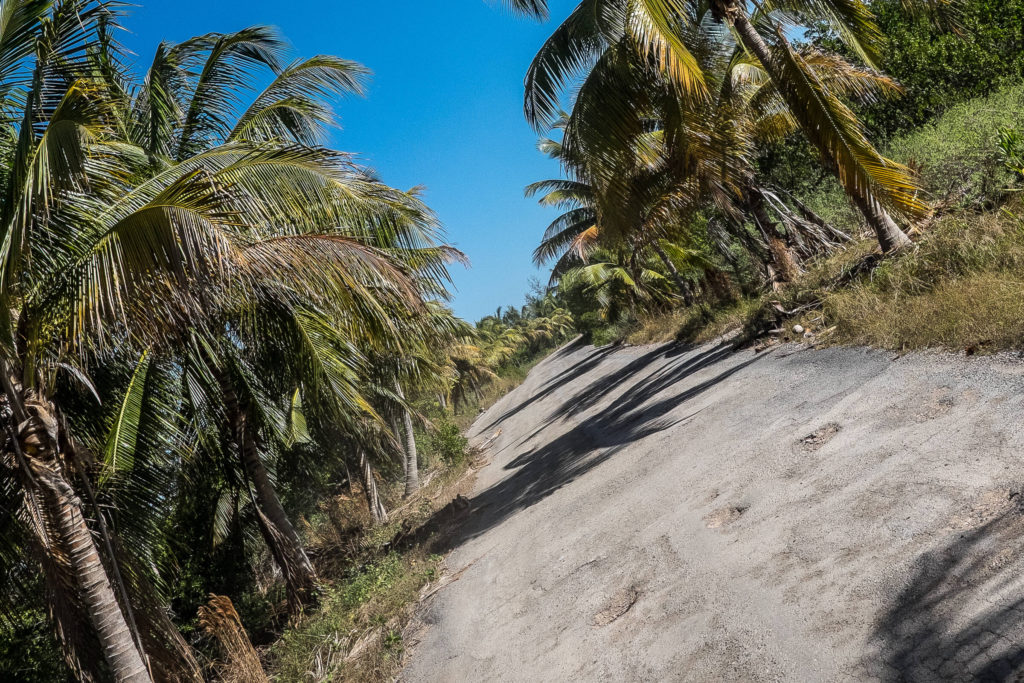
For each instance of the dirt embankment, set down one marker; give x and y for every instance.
(660, 513)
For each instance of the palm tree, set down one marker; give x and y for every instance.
(597, 53)
(618, 282)
(157, 222)
(381, 239)
(642, 159)
(42, 48)
(875, 184)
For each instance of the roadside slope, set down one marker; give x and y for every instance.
(663, 513)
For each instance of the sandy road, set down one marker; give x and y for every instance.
(660, 513)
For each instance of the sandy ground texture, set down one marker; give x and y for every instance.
(703, 514)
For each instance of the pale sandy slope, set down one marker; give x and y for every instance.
(655, 513)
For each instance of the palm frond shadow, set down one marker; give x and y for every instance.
(645, 409)
(961, 615)
(565, 377)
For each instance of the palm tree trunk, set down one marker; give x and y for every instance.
(119, 649)
(275, 526)
(684, 289)
(890, 237)
(396, 429)
(785, 264)
(373, 501)
(412, 471)
(888, 233)
(36, 447)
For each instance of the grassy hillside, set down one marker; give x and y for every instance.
(960, 287)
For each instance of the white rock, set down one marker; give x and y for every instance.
(798, 329)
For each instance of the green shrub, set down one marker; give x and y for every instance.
(28, 650)
(373, 578)
(959, 154)
(447, 443)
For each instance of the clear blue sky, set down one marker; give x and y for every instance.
(444, 110)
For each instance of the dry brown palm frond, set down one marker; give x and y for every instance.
(241, 662)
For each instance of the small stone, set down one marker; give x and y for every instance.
(798, 329)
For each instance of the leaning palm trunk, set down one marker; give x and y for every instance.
(373, 501)
(275, 526)
(412, 472)
(396, 429)
(40, 460)
(889, 235)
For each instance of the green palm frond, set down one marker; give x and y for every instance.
(852, 20)
(837, 132)
(295, 107)
(650, 29)
(536, 9)
(565, 56)
(655, 26)
(231, 63)
(119, 451)
(564, 235)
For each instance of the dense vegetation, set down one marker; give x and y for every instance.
(743, 194)
(217, 324)
(228, 370)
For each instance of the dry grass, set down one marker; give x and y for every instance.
(961, 288)
(977, 312)
(694, 325)
(374, 578)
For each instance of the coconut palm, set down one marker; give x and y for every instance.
(658, 158)
(187, 119)
(619, 282)
(155, 222)
(44, 50)
(598, 57)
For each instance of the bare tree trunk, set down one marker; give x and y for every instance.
(810, 216)
(889, 234)
(348, 477)
(36, 446)
(275, 526)
(681, 285)
(412, 471)
(373, 501)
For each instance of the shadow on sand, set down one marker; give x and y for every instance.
(961, 616)
(642, 410)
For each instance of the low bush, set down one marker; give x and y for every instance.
(447, 443)
(374, 596)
